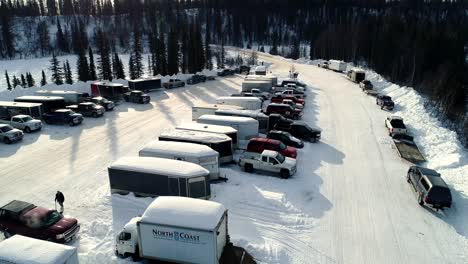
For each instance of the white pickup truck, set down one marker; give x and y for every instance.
(268, 161)
(23, 122)
(295, 93)
(289, 86)
(395, 125)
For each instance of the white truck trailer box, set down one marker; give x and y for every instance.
(255, 114)
(190, 152)
(260, 70)
(246, 127)
(337, 65)
(69, 96)
(210, 109)
(249, 103)
(268, 77)
(262, 85)
(177, 229)
(25, 250)
(225, 130)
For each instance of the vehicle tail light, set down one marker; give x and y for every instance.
(426, 199)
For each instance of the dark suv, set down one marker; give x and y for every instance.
(196, 78)
(286, 138)
(385, 101)
(284, 110)
(429, 186)
(63, 116)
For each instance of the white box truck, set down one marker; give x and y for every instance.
(225, 130)
(190, 152)
(246, 127)
(337, 65)
(25, 250)
(249, 103)
(176, 229)
(210, 109)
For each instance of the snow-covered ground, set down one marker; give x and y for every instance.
(348, 203)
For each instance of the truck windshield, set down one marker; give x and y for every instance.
(397, 123)
(27, 119)
(51, 218)
(280, 158)
(5, 128)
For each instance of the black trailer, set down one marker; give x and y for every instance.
(49, 103)
(220, 143)
(145, 85)
(108, 90)
(9, 109)
(145, 176)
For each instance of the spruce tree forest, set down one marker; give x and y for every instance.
(417, 43)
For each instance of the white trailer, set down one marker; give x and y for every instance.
(176, 229)
(69, 96)
(246, 127)
(225, 130)
(262, 85)
(255, 114)
(260, 70)
(249, 103)
(268, 77)
(25, 250)
(210, 109)
(337, 65)
(190, 152)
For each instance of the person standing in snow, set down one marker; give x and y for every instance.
(59, 198)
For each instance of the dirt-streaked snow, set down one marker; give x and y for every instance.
(348, 203)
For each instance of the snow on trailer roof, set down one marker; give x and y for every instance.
(21, 249)
(56, 92)
(246, 113)
(39, 97)
(207, 128)
(20, 104)
(234, 119)
(171, 167)
(108, 84)
(195, 135)
(179, 148)
(219, 106)
(184, 212)
(260, 69)
(239, 98)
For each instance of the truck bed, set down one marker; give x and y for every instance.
(408, 150)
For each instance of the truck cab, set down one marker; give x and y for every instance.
(88, 109)
(395, 125)
(136, 96)
(126, 242)
(99, 100)
(268, 161)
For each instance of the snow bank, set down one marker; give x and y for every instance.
(184, 212)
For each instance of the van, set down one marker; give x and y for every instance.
(258, 145)
(246, 127)
(190, 152)
(224, 130)
(250, 103)
(153, 177)
(210, 109)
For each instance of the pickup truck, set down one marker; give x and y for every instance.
(268, 161)
(196, 78)
(8, 134)
(24, 122)
(107, 104)
(173, 83)
(395, 125)
(88, 109)
(366, 85)
(289, 86)
(63, 116)
(280, 97)
(257, 93)
(298, 129)
(291, 92)
(136, 96)
(323, 65)
(385, 102)
(26, 219)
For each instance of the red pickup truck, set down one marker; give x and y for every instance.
(22, 218)
(279, 99)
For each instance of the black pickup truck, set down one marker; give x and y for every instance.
(298, 129)
(107, 104)
(88, 109)
(385, 101)
(63, 116)
(136, 96)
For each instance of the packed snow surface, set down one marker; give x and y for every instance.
(159, 166)
(349, 201)
(177, 148)
(21, 249)
(184, 212)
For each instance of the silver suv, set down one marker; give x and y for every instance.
(8, 134)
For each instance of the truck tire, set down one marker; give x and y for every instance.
(248, 167)
(7, 140)
(94, 114)
(136, 256)
(284, 174)
(71, 123)
(47, 121)
(295, 117)
(420, 200)
(27, 130)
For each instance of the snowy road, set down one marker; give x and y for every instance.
(348, 203)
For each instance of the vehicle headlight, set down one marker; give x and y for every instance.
(59, 236)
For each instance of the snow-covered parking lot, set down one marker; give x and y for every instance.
(348, 203)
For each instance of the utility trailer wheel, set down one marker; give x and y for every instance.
(27, 130)
(284, 174)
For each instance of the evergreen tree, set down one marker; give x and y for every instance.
(57, 71)
(184, 51)
(172, 53)
(131, 68)
(137, 58)
(62, 41)
(42, 8)
(16, 82)
(8, 80)
(68, 73)
(222, 55)
(44, 79)
(43, 37)
(161, 61)
(92, 68)
(311, 50)
(104, 66)
(209, 63)
(30, 80)
(82, 67)
(67, 8)
(52, 9)
(118, 68)
(23, 81)
(7, 34)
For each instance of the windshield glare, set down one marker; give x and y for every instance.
(51, 218)
(26, 119)
(280, 158)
